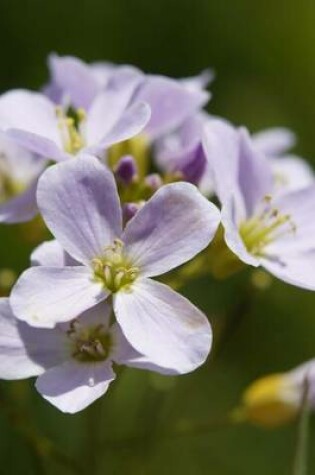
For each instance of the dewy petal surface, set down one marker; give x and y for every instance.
(171, 228)
(80, 205)
(73, 386)
(163, 326)
(44, 296)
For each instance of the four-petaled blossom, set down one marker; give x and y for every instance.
(57, 133)
(261, 227)
(171, 101)
(73, 361)
(79, 203)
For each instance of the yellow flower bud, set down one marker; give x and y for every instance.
(271, 401)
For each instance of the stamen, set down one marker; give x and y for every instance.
(71, 129)
(265, 227)
(89, 343)
(114, 269)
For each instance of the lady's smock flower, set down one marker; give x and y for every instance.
(79, 202)
(73, 361)
(261, 227)
(57, 133)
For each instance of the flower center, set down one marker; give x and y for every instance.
(89, 343)
(114, 268)
(265, 227)
(71, 124)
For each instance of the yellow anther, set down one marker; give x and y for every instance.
(114, 268)
(265, 227)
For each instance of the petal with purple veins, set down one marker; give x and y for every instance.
(172, 227)
(163, 326)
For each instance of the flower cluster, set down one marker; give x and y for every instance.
(122, 167)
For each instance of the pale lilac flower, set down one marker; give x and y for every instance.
(19, 171)
(35, 122)
(290, 172)
(73, 361)
(80, 205)
(171, 101)
(75, 82)
(261, 227)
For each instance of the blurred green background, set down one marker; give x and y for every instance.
(263, 53)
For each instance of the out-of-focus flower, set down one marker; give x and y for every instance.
(171, 101)
(261, 227)
(53, 132)
(19, 172)
(73, 361)
(80, 204)
(276, 399)
(289, 171)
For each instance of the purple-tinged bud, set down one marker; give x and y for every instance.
(194, 166)
(153, 181)
(126, 169)
(130, 209)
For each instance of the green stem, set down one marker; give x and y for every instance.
(301, 452)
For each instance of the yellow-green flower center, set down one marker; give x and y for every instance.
(265, 227)
(89, 344)
(114, 269)
(71, 124)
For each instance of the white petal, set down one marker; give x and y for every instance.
(295, 269)
(108, 108)
(80, 205)
(171, 228)
(44, 296)
(274, 142)
(164, 326)
(20, 209)
(232, 235)
(25, 351)
(31, 112)
(73, 386)
(49, 254)
(131, 123)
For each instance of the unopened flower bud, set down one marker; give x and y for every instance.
(276, 399)
(126, 169)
